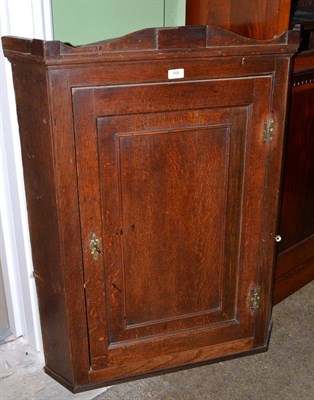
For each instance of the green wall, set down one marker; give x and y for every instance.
(174, 12)
(86, 21)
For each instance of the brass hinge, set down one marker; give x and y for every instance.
(94, 246)
(255, 298)
(268, 132)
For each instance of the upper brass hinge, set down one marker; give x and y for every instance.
(94, 246)
(268, 131)
(255, 298)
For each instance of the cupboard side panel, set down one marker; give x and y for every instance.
(31, 90)
(69, 220)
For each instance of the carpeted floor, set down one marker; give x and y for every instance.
(285, 372)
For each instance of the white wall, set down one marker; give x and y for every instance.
(27, 18)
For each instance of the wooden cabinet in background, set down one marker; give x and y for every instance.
(295, 260)
(152, 167)
(257, 19)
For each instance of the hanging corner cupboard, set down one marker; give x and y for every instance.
(152, 168)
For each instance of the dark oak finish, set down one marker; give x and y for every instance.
(175, 179)
(258, 19)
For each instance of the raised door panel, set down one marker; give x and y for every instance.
(174, 168)
(167, 207)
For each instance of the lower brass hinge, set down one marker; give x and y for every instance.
(268, 131)
(255, 298)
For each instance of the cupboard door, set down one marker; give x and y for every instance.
(175, 198)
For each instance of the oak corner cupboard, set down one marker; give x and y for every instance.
(152, 168)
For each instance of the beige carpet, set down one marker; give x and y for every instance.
(285, 372)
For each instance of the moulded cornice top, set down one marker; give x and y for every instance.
(157, 43)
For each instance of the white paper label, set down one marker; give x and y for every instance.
(176, 73)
